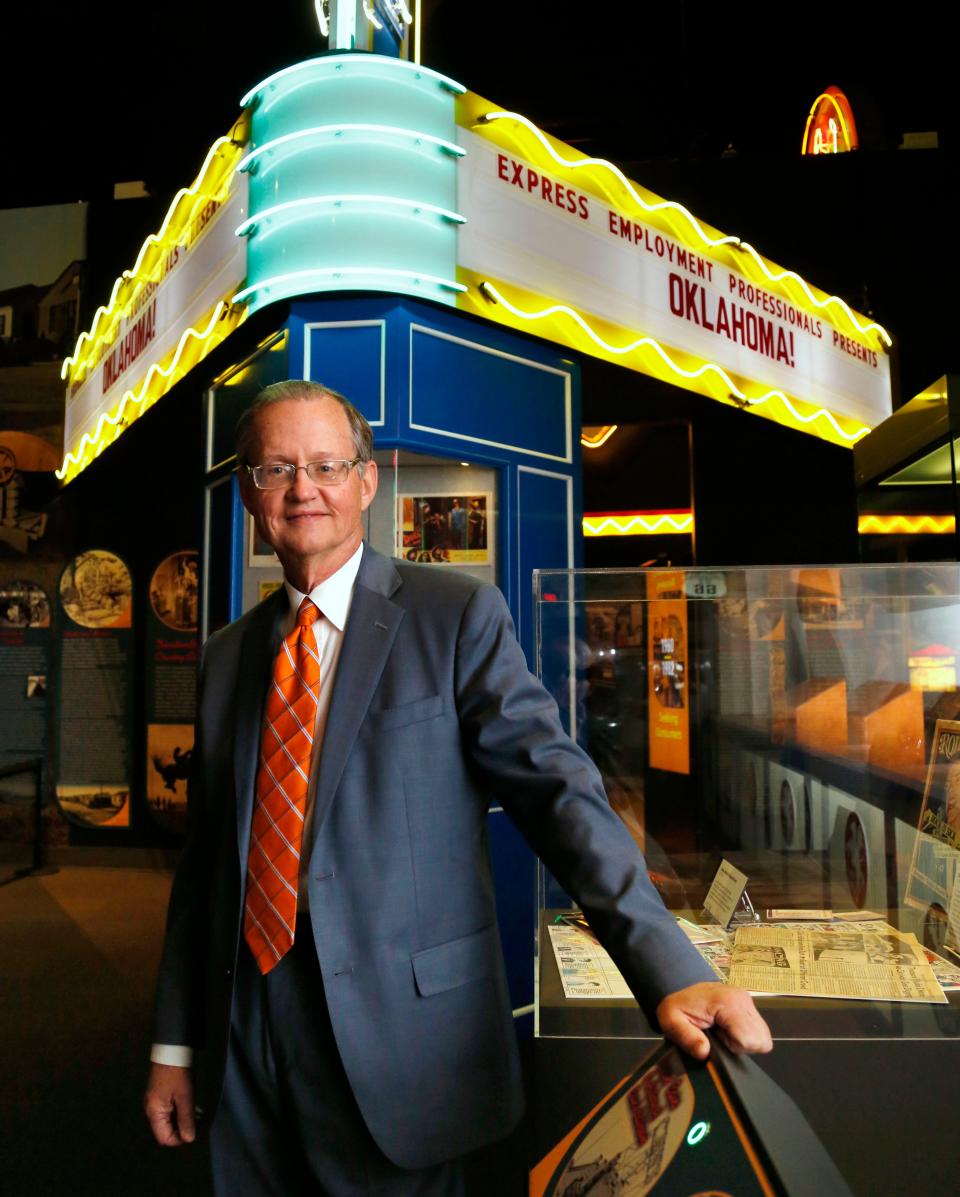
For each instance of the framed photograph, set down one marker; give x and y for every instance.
(446, 529)
(259, 553)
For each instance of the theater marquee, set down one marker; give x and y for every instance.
(577, 252)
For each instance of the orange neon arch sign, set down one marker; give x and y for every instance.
(830, 127)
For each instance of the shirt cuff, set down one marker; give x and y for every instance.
(171, 1053)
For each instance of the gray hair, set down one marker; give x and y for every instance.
(301, 389)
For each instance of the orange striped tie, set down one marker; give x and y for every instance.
(270, 910)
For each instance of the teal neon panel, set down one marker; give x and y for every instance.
(351, 157)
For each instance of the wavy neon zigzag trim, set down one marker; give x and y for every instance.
(96, 440)
(490, 291)
(627, 525)
(672, 205)
(886, 525)
(153, 239)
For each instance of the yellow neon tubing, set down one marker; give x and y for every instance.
(843, 124)
(490, 291)
(601, 437)
(636, 525)
(97, 440)
(885, 525)
(153, 239)
(576, 163)
(664, 205)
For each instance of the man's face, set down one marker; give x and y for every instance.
(313, 529)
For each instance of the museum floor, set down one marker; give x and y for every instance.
(79, 949)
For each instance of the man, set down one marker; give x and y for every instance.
(369, 1045)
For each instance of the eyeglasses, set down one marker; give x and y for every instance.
(277, 475)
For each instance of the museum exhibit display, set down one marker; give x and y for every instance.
(784, 746)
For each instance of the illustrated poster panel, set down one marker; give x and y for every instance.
(24, 662)
(668, 694)
(173, 655)
(454, 529)
(95, 720)
(936, 849)
(662, 1130)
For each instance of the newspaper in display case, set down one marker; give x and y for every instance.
(586, 969)
(936, 851)
(863, 961)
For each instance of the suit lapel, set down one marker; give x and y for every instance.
(259, 647)
(367, 641)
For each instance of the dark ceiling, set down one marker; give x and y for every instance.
(103, 93)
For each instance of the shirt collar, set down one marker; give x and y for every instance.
(333, 595)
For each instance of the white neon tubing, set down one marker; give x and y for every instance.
(335, 200)
(337, 62)
(662, 205)
(338, 271)
(318, 130)
(708, 367)
(370, 15)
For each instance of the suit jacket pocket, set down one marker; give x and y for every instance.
(455, 963)
(408, 712)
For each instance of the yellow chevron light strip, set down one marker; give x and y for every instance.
(638, 523)
(664, 364)
(911, 525)
(596, 168)
(193, 347)
(598, 438)
(211, 182)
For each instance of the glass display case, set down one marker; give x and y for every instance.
(800, 723)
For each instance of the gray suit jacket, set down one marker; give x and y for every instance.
(433, 715)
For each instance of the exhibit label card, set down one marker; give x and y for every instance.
(952, 938)
(725, 893)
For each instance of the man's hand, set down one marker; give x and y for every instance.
(168, 1104)
(686, 1014)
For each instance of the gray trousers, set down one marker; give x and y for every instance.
(287, 1124)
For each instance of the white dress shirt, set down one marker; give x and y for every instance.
(332, 598)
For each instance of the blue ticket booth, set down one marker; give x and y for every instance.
(477, 440)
